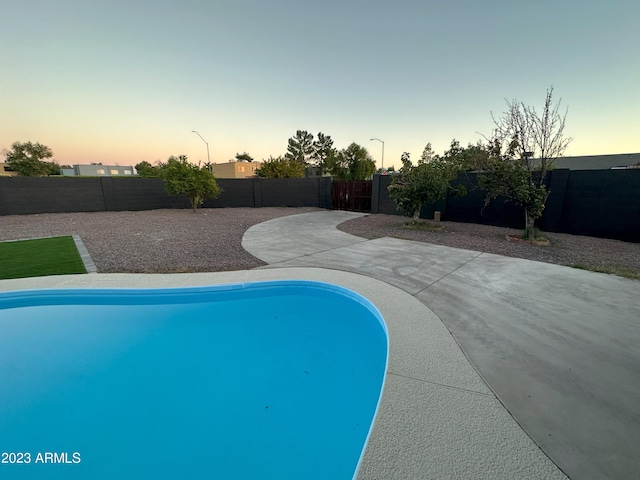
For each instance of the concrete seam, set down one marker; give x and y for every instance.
(316, 253)
(450, 387)
(450, 273)
(334, 248)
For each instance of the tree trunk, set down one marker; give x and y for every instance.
(530, 232)
(416, 214)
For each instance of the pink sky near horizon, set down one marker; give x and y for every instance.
(119, 83)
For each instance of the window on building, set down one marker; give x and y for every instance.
(241, 169)
(128, 172)
(114, 171)
(101, 171)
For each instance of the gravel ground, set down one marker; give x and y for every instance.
(154, 241)
(165, 241)
(564, 249)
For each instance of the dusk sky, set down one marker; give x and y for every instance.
(119, 82)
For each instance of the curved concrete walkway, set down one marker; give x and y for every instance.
(559, 347)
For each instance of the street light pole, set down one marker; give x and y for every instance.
(382, 162)
(208, 159)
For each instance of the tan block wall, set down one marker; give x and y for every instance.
(236, 169)
(4, 173)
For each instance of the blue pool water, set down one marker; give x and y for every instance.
(261, 380)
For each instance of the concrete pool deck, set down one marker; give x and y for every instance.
(558, 347)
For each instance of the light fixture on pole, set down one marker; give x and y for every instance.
(527, 156)
(208, 159)
(382, 162)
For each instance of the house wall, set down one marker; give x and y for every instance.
(597, 162)
(5, 170)
(98, 170)
(236, 169)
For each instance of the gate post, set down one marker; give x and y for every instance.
(257, 192)
(375, 194)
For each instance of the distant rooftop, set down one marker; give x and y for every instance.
(97, 170)
(598, 162)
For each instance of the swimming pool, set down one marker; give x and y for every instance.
(256, 380)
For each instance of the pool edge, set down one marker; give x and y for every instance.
(396, 447)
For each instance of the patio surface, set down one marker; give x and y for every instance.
(548, 350)
(559, 347)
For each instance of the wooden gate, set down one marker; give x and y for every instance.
(353, 195)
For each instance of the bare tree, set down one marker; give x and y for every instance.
(541, 137)
(522, 150)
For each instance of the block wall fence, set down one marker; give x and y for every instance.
(599, 203)
(603, 203)
(29, 195)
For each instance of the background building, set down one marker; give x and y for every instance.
(233, 169)
(5, 170)
(97, 170)
(598, 162)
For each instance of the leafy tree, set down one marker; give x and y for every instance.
(184, 178)
(510, 170)
(427, 154)
(387, 170)
(28, 159)
(323, 152)
(427, 182)
(280, 167)
(352, 163)
(51, 168)
(473, 157)
(145, 169)
(300, 147)
(244, 157)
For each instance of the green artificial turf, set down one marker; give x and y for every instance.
(36, 258)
